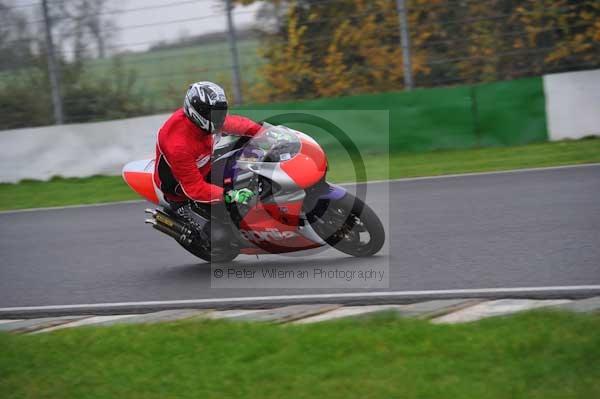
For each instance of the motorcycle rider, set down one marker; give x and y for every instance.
(184, 147)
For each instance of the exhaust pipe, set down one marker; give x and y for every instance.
(181, 238)
(166, 220)
(165, 224)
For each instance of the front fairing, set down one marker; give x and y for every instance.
(273, 220)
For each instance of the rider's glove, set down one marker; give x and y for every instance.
(240, 196)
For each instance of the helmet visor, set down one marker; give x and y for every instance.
(217, 117)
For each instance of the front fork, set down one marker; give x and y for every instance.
(316, 203)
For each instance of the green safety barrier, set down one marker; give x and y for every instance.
(490, 114)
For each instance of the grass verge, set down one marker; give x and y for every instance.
(59, 191)
(531, 355)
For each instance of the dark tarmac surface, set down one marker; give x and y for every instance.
(525, 229)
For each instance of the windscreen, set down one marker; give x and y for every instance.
(275, 144)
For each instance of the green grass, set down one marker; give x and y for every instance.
(466, 161)
(59, 191)
(533, 355)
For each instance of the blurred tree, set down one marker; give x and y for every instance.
(334, 48)
(21, 104)
(429, 39)
(358, 57)
(478, 57)
(566, 32)
(81, 22)
(110, 97)
(331, 48)
(312, 48)
(25, 102)
(15, 38)
(290, 70)
(504, 39)
(25, 95)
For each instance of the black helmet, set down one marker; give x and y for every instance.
(206, 105)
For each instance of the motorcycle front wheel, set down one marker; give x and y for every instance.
(350, 226)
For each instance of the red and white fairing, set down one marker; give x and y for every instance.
(310, 164)
(138, 175)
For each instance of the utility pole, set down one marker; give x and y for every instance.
(53, 72)
(405, 43)
(235, 67)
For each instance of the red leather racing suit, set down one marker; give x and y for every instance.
(183, 157)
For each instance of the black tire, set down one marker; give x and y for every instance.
(211, 258)
(348, 212)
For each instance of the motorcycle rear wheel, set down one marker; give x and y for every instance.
(222, 257)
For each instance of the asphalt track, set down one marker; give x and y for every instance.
(494, 231)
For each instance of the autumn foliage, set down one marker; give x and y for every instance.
(340, 47)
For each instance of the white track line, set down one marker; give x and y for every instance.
(499, 172)
(283, 298)
(57, 208)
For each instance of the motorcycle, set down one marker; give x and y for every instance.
(295, 208)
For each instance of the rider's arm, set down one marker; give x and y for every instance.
(240, 126)
(183, 166)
